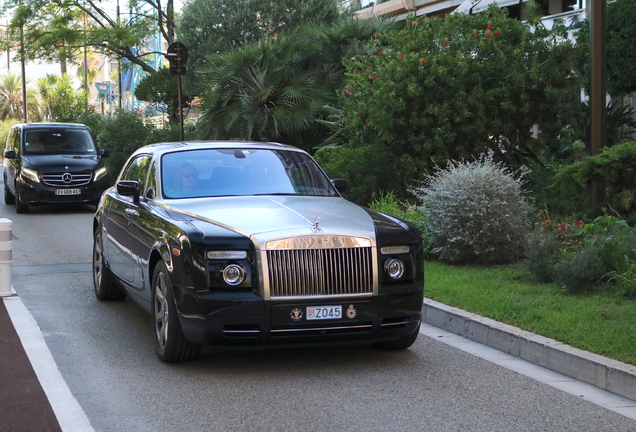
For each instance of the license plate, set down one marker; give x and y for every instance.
(67, 191)
(324, 312)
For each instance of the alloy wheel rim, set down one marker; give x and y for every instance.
(98, 262)
(161, 311)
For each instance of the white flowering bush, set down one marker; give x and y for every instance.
(477, 212)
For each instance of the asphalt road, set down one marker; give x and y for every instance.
(106, 356)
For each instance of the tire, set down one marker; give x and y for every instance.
(170, 342)
(400, 343)
(20, 207)
(103, 283)
(9, 198)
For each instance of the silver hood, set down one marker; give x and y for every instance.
(265, 218)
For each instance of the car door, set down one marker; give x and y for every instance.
(144, 227)
(121, 210)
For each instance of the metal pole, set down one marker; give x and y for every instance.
(85, 62)
(598, 114)
(25, 115)
(179, 96)
(6, 257)
(119, 62)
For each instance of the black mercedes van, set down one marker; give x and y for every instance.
(52, 163)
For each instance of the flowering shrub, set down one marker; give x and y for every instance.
(476, 212)
(447, 89)
(582, 255)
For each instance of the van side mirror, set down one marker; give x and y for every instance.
(104, 153)
(10, 154)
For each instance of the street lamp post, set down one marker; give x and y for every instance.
(25, 116)
(598, 115)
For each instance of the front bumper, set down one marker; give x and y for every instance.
(39, 193)
(246, 319)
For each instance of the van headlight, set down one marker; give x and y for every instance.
(100, 173)
(31, 175)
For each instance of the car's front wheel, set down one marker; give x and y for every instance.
(170, 342)
(103, 283)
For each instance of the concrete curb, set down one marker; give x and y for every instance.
(594, 369)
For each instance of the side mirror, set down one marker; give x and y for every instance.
(129, 188)
(104, 153)
(340, 185)
(10, 154)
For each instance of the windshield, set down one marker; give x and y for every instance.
(232, 172)
(58, 140)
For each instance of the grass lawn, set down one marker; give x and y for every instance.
(598, 322)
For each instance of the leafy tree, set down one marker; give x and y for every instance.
(57, 29)
(448, 89)
(121, 136)
(124, 133)
(161, 87)
(208, 27)
(621, 51)
(276, 89)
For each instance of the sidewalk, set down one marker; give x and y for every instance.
(23, 404)
(33, 394)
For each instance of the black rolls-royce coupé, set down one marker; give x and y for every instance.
(251, 243)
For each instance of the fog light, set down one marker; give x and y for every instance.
(233, 274)
(394, 267)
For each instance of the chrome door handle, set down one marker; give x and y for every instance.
(132, 212)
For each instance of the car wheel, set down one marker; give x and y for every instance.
(401, 343)
(9, 198)
(20, 207)
(170, 342)
(103, 283)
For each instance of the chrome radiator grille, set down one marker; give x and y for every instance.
(320, 272)
(67, 179)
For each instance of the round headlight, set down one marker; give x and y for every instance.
(394, 267)
(233, 274)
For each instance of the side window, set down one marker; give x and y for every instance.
(137, 170)
(13, 140)
(17, 139)
(9, 139)
(151, 188)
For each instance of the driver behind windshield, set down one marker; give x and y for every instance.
(74, 142)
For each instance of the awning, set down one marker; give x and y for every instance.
(475, 6)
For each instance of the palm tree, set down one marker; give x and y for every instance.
(11, 105)
(276, 90)
(45, 89)
(59, 100)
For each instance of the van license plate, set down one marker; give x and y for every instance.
(67, 191)
(324, 312)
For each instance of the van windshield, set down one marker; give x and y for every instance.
(58, 140)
